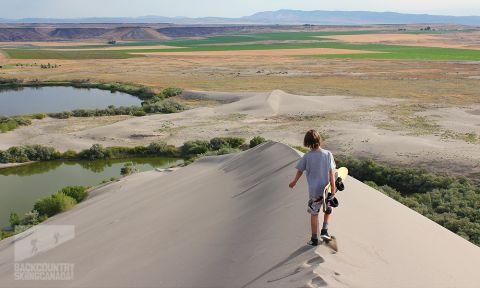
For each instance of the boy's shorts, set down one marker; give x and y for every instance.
(314, 205)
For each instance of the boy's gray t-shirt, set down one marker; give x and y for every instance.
(317, 165)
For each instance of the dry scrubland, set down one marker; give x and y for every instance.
(424, 112)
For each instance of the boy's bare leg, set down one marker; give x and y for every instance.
(326, 218)
(314, 224)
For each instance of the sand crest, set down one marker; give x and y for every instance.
(231, 221)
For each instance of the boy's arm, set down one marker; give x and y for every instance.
(294, 181)
(333, 189)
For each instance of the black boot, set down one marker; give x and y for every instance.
(313, 241)
(324, 235)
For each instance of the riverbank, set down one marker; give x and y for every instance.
(10, 165)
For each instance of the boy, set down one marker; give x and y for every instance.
(320, 169)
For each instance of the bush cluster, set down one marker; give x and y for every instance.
(171, 92)
(54, 204)
(11, 123)
(128, 169)
(27, 153)
(61, 201)
(219, 145)
(257, 140)
(163, 106)
(79, 193)
(21, 154)
(197, 147)
(453, 203)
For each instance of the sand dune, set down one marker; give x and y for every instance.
(276, 103)
(231, 221)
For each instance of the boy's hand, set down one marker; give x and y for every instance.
(292, 184)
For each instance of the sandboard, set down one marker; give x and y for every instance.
(341, 173)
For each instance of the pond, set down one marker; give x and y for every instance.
(31, 100)
(21, 186)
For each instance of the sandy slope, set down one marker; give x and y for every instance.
(231, 221)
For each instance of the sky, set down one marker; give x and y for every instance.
(15, 9)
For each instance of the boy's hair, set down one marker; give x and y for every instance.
(312, 139)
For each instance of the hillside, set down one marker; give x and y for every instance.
(231, 221)
(83, 32)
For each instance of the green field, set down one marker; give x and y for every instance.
(67, 55)
(234, 42)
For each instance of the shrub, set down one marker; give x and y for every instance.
(39, 116)
(196, 147)
(161, 148)
(171, 91)
(95, 152)
(54, 204)
(9, 123)
(234, 142)
(41, 153)
(61, 115)
(14, 219)
(164, 106)
(217, 143)
(257, 140)
(27, 153)
(226, 142)
(79, 193)
(128, 169)
(139, 113)
(31, 218)
(69, 154)
(227, 150)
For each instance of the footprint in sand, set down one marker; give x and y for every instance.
(318, 282)
(315, 260)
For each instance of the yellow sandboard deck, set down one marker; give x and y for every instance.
(342, 173)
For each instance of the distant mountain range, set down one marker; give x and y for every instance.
(283, 17)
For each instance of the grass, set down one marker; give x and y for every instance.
(403, 118)
(397, 52)
(470, 137)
